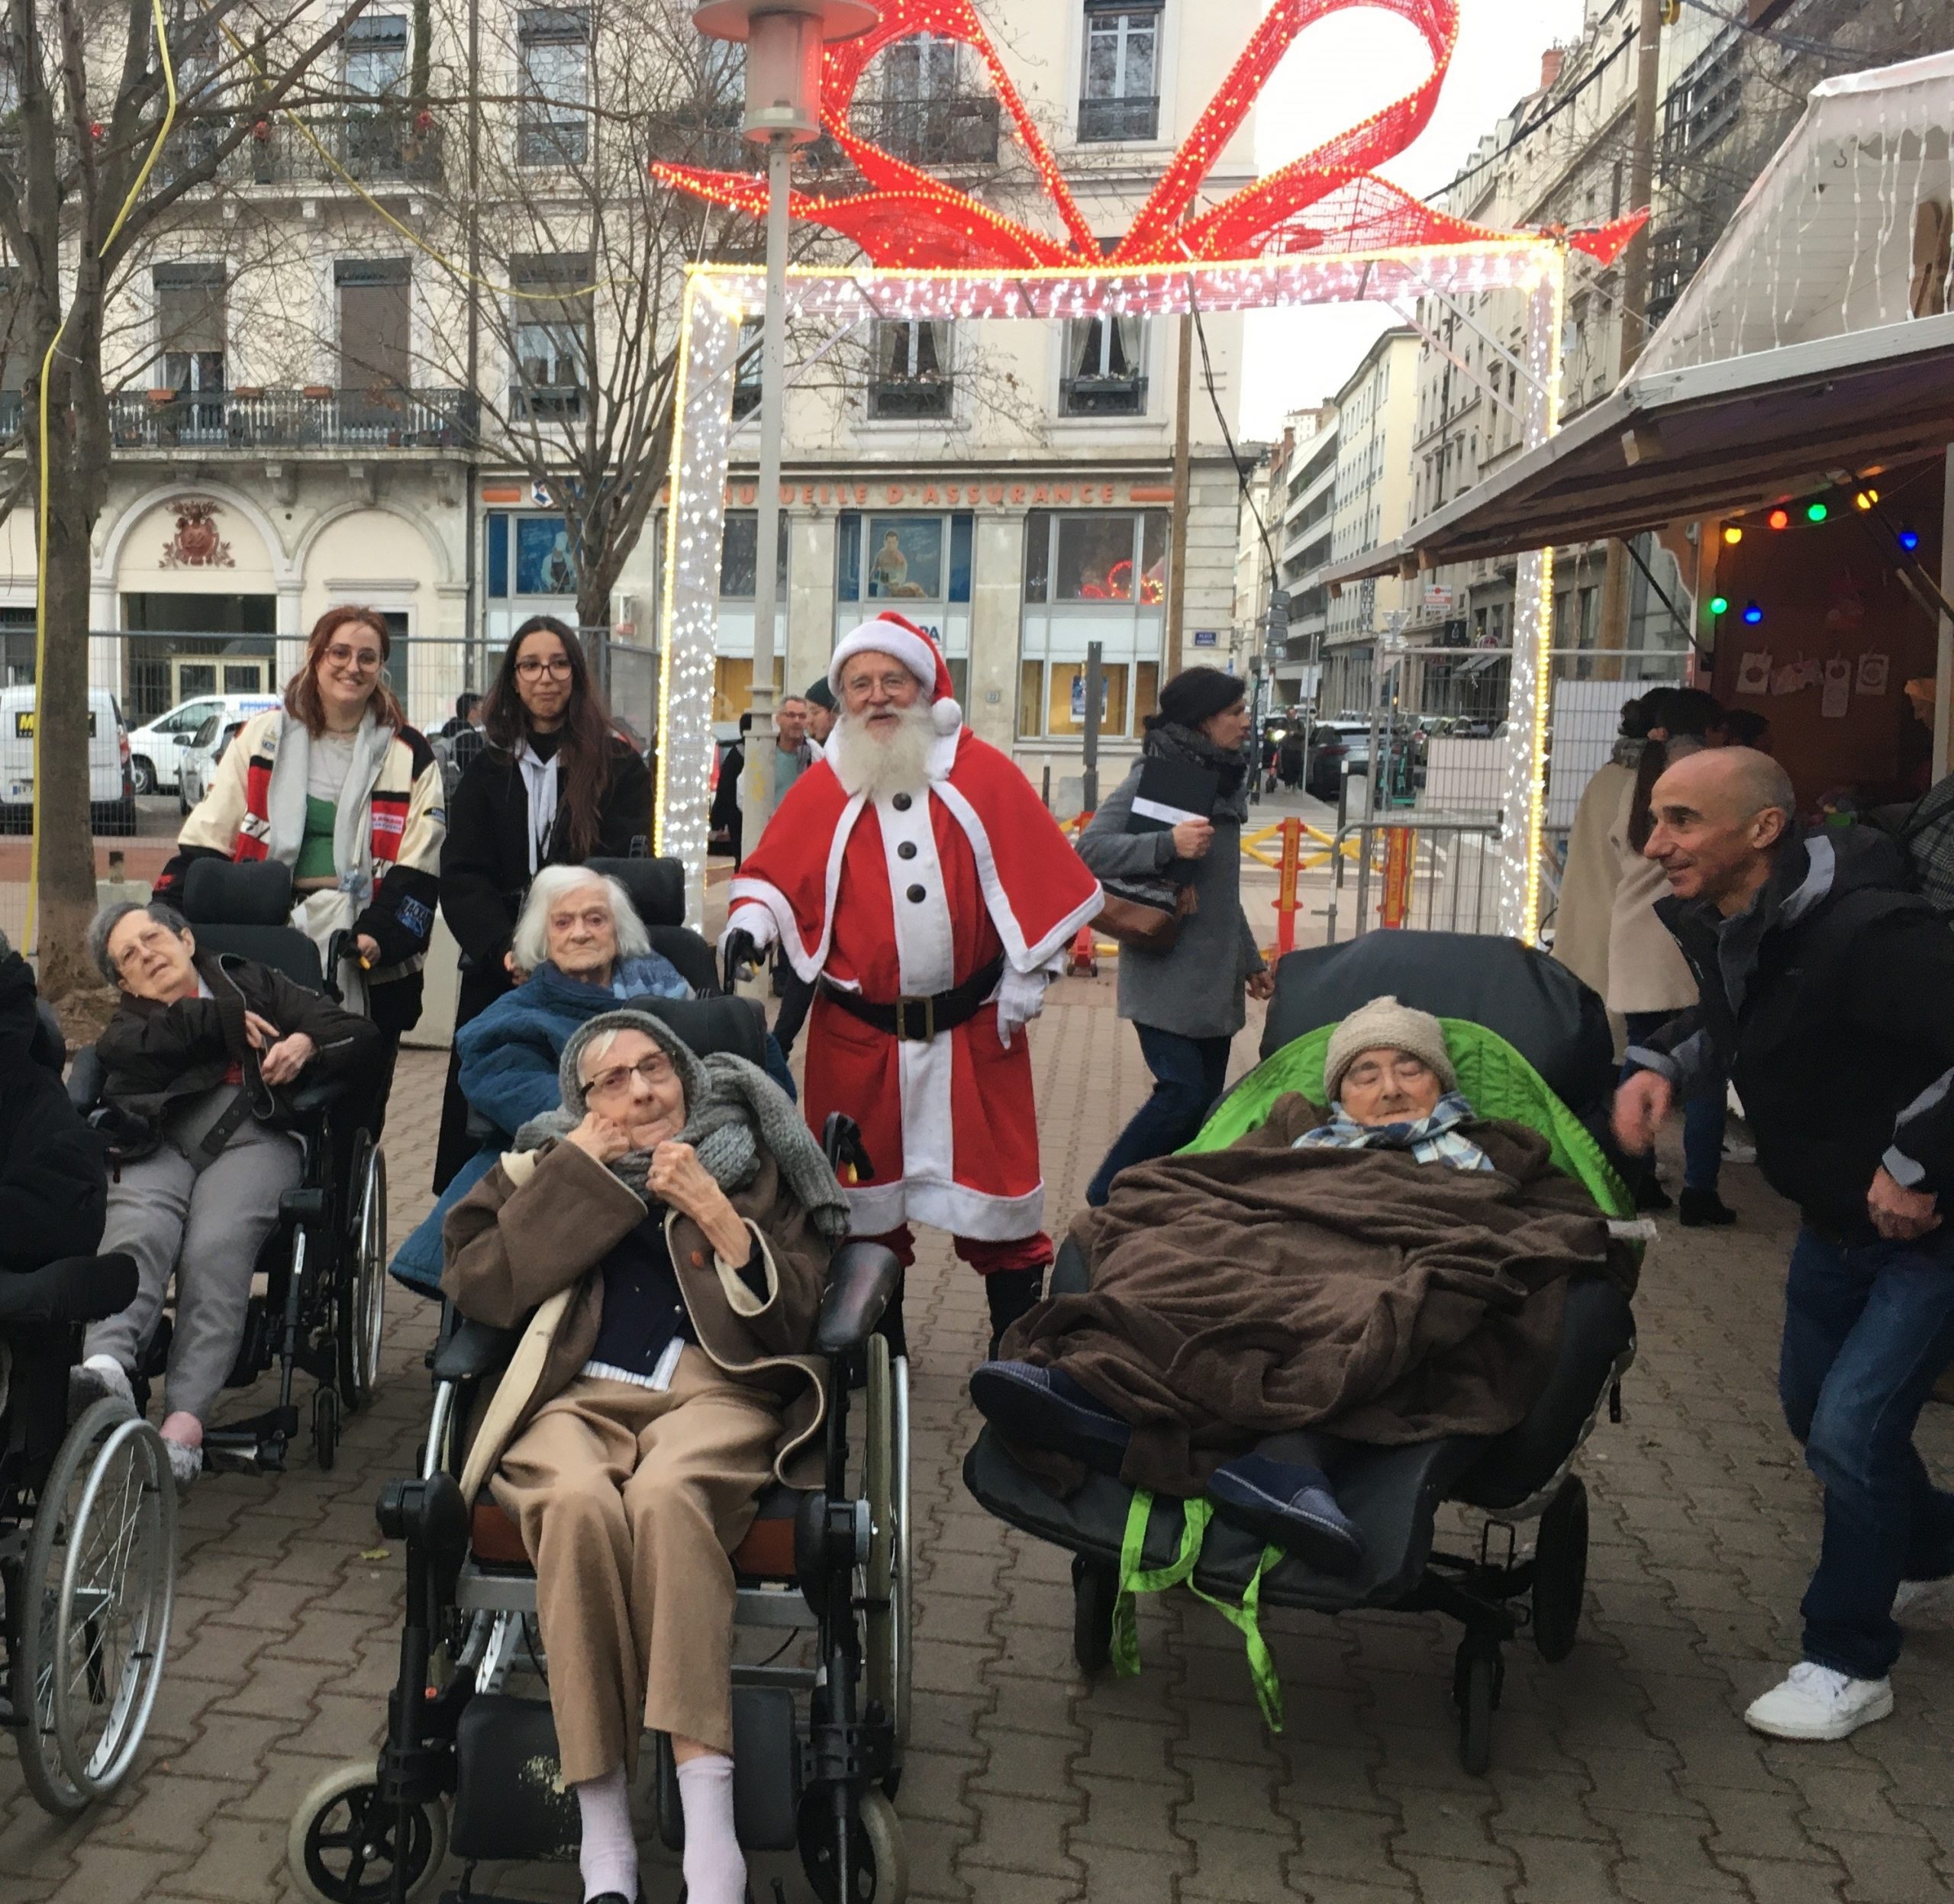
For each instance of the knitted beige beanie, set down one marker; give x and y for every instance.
(1384, 1024)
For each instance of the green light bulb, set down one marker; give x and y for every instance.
(1817, 512)
(1720, 604)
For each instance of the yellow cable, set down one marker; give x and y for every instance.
(41, 507)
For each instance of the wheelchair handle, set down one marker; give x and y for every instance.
(344, 944)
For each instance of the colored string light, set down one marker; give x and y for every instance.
(1816, 512)
(1732, 535)
(1720, 604)
(1909, 539)
(1778, 519)
(1753, 613)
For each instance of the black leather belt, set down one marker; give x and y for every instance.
(921, 1016)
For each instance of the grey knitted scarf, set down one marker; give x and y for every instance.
(733, 1111)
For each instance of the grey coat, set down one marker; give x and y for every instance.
(1196, 988)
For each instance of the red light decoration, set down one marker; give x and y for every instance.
(905, 217)
(1779, 519)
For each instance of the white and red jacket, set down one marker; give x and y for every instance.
(909, 896)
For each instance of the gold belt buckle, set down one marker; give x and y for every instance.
(903, 1003)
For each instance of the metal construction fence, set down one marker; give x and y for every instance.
(1418, 830)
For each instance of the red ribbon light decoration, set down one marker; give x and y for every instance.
(906, 218)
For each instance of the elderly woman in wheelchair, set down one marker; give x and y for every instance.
(201, 1060)
(1390, 1271)
(665, 1238)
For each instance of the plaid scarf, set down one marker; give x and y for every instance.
(1430, 1140)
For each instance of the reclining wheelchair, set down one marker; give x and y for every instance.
(87, 1535)
(469, 1769)
(322, 1306)
(1500, 1000)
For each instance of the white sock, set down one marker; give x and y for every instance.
(607, 1853)
(715, 1867)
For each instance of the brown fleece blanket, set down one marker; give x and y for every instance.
(1259, 1289)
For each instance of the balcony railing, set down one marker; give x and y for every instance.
(315, 418)
(1102, 396)
(1118, 119)
(896, 398)
(382, 147)
(953, 129)
(707, 136)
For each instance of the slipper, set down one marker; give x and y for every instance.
(1290, 1506)
(1045, 1407)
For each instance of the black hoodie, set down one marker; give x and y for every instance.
(53, 1179)
(1831, 1000)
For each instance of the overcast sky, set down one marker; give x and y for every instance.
(1341, 69)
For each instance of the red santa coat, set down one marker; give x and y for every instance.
(909, 896)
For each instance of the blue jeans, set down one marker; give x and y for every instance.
(1703, 1115)
(1188, 1075)
(1867, 1327)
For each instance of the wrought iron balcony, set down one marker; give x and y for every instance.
(897, 398)
(387, 145)
(317, 418)
(1102, 396)
(1105, 119)
(949, 129)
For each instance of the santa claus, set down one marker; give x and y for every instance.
(914, 879)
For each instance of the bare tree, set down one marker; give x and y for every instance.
(85, 187)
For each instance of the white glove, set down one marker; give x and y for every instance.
(1021, 998)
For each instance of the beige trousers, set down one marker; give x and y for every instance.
(629, 1500)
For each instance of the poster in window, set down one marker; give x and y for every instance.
(543, 566)
(905, 558)
(1872, 675)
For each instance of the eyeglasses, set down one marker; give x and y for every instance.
(891, 684)
(144, 942)
(558, 667)
(655, 1070)
(365, 661)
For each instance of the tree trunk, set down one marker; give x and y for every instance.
(66, 898)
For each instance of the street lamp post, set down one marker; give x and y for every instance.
(783, 39)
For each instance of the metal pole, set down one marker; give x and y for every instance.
(473, 657)
(759, 789)
(1943, 668)
(1177, 564)
(1095, 679)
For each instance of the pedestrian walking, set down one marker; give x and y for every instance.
(335, 784)
(1185, 1003)
(914, 877)
(553, 786)
(1827, 986)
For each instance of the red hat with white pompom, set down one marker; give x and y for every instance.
(890, 635)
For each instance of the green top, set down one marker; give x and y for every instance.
(315, 859)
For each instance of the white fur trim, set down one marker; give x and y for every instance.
(749, 891)
(877, 1209)
(885, 638)
(945, 715)
(1025, 958)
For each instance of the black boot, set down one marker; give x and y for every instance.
(1705, 1210)
(1010, 1293)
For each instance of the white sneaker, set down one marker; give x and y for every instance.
(1816, 1702)
(1923, 1596)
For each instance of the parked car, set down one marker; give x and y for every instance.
(1333, 744)
(111, 790)
(154, 748)
(197, 759)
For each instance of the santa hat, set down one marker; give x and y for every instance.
(890, 635)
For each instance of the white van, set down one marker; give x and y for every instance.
(153, 749)
(111, 790)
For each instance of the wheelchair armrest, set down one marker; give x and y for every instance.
(860, 1281)
(471, 1350)
(309, 1099)
(86, 1076)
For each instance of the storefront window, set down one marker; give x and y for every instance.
(904, 558)
(1092, 576)
(738, 548)
(1097, 557)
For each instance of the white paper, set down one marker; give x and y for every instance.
(1754, 672)
(1872, 673)
(1837, 696)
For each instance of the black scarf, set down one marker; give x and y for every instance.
(1170, 741)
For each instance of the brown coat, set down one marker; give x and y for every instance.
(1260, 1289)
(525, 1248)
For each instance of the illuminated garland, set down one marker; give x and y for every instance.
(906, 217)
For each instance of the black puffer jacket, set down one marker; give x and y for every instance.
(1832, 1001)
(53, 1177)
(154, 1055)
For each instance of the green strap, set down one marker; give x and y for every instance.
(1135, 1579)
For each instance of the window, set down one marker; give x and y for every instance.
(912, 377)
(1103, 377)
(747, 368)
(554, 46)
(1121, 97)
(550, 334)
(375, 327)
(738, 549)
(190, 339)
(904, 558)
(1092, 576)
(376, 55)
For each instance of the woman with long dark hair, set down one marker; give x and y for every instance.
(336, 785)
(554, 784)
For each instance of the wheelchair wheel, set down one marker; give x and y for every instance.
(360, 1306)
(1478, 1674)
(886, 1588)
(877, 1849)
(1094, 1587)
(342, 1846)
(1560, 1570)
(92, 1625)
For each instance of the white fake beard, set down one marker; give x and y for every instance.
(877, 765)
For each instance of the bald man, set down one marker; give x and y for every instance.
(1827, 988)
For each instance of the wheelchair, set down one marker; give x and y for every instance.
(318, 1302)
(88, 1536)
(469, 1769)
(1506, 995)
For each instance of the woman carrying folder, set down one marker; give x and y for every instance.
(1178, 816)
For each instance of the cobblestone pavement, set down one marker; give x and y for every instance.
(1624, 1772)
